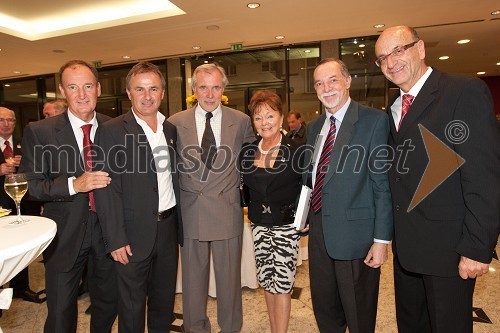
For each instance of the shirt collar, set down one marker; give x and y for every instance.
(159, 117)
(200, 112)
(420, 83)
(78, 123)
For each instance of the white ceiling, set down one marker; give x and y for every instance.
(440, 23)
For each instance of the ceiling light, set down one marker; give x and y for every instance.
(481, 73)
(498, 63)
(196, 47)
(307, 51)
(17, 72)
(355, 42)
(205, 62)
(463, 41)
(126, 57)
(361, 45)
(6, 85)
(279, 37)
(253, 5)
(0, 49)
(378, 26)
(496, 12)
(444, 58)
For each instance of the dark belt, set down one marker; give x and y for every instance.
(165, 214)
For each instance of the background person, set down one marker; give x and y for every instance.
(271, 170)
(210, 204)
(297, 128)
(447, 240)
(53, 108)
(350, 218)
(54, 152)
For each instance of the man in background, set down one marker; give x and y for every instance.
(211, 212)
(446, 241)
(53, 108)
(297, 128)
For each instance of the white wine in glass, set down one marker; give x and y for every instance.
(16, 186)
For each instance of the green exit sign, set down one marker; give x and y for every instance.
(97, 64)
(236, 47)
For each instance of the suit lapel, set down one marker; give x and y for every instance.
(424, 98)
(65, 136)
(394, 132)
(343, 137)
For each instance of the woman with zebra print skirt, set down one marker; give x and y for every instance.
(271, 171)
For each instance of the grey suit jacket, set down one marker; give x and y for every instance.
(210, 203)
(356, 196)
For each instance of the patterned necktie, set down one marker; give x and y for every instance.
(208, 144)
(7, 151)
(322, 168)
(407, 100)
(87, 158)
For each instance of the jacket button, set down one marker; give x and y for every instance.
(398, 208)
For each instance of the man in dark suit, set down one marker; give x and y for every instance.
(54, 165)
(297, 128)
(447, 240)
(350, 219)
(141, 221)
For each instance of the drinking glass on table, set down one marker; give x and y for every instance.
(16, 186)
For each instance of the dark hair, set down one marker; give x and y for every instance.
(209, 68)
(295, 113)
(343, 67)
(74, 63)
(145, 67)
(262, 97)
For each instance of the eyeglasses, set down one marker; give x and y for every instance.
(9, 120)
(397, 52)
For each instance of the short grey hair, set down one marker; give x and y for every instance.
(209, 68)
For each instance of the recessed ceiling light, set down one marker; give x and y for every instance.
(498, 63)
(253, 5)
(307, 51)
(17, 72)
(126, 57)
(444, 58)
(205, 61)
(6, 85)
(496, 12)
(378, 26)
(361, 45)
(0, 49)
(279, 37)
(196, 47)
(463, 41)
(481, 73)
(355, 42)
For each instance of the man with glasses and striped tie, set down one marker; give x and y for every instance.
(350, 219)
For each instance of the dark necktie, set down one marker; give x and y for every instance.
(208, 144)
(87, 158)
(406, 103)
(322, 168)
(7, 152)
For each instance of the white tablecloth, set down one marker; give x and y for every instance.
(20, 245)
(248, 269)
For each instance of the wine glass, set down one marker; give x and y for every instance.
(16, 185)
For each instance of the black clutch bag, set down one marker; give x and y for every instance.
(244, 193)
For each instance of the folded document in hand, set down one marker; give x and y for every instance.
(302, 208)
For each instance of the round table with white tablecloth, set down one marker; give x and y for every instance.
(20, 244)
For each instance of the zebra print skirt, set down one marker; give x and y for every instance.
(276, 250)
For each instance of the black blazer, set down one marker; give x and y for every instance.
(50, 155)
(128, 207)
(300, 137)
(284, 184)
(462, 215)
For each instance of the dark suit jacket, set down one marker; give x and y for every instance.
(128, 207)
(300, 137)
(356, 196)
(51, 156)
(283, 184)
(462, 215)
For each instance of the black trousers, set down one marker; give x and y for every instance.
(62, 287)
(153, 278)
(344, 293)
(426, 303)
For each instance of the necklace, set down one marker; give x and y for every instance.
(271, 150)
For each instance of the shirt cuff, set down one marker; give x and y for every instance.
(381, 241)
(70, 186)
